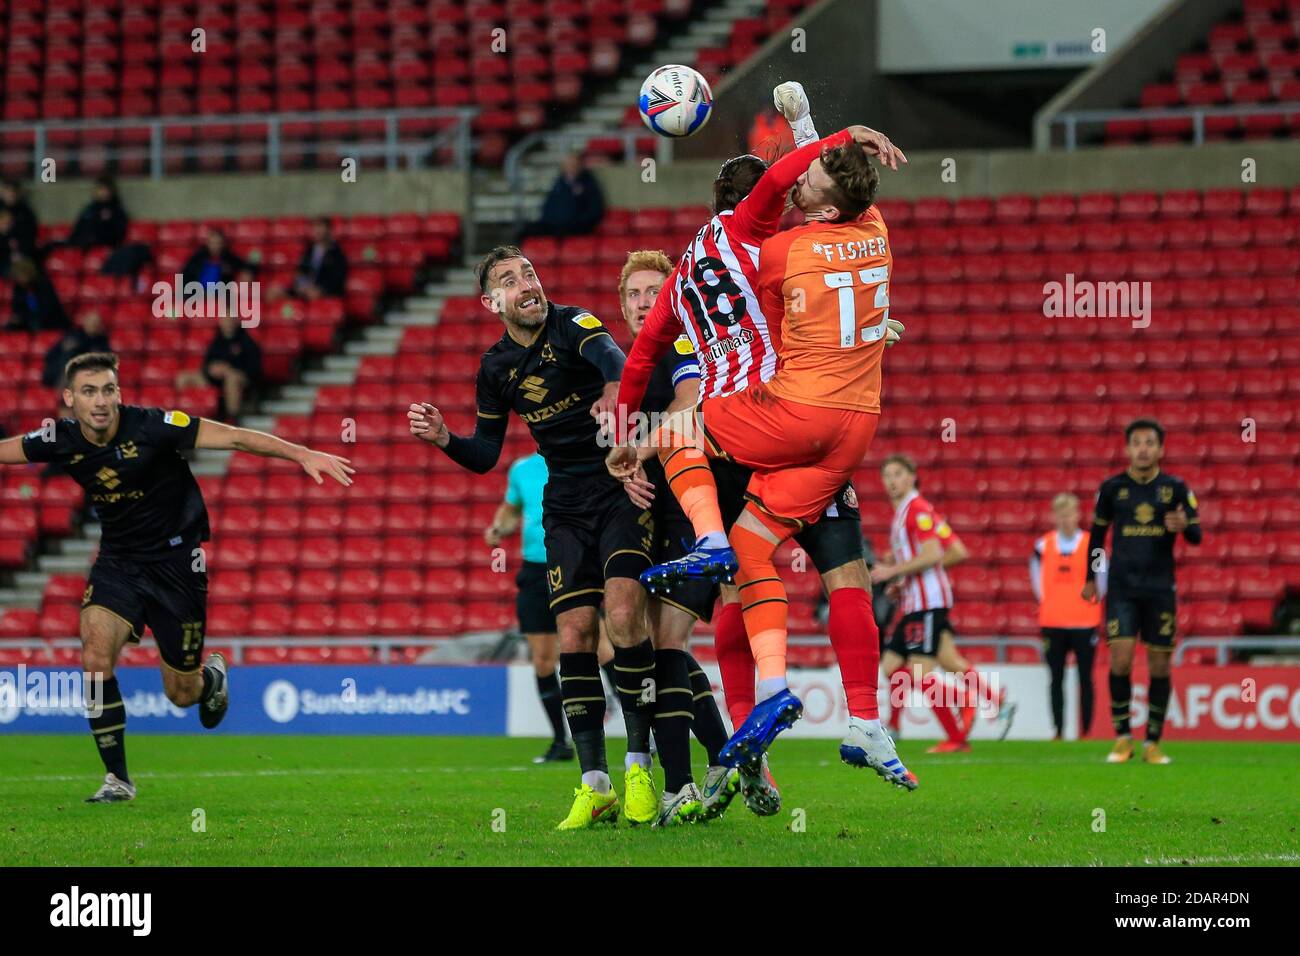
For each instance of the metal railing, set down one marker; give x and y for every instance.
(517, 154)
(391, 146)
(1223, 644)
(1073, 119)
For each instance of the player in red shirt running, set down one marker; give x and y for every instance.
(924, 547)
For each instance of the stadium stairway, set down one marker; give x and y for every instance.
(46, 588)
(724, 34)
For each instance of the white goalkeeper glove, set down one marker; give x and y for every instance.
(893, 332)
(792, 102)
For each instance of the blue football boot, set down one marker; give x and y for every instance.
(717, 565)
(748, 744)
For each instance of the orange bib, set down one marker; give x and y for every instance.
(1061, 578)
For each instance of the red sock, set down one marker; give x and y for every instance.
(933, 690)
(983, 690)
(900, 685)
(856, 641)
(735, 661)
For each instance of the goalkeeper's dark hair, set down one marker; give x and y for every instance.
(1138, 424)
(736, 179)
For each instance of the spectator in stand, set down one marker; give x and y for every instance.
(232, 363)
(88, 337)
(214, 262)
(574, 206)
(103, 222)
(24, 226)
(323, 268)
(770, 136)
(12, 244)
(36, 306)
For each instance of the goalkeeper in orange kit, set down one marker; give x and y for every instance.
(803, 432)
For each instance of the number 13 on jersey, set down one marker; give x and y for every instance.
(843, 282)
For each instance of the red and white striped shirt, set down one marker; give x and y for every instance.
(712, 294)
(916, 522)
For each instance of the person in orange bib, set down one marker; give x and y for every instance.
(804, 431)
(1057, 571)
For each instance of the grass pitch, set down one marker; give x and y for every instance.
(434, 801)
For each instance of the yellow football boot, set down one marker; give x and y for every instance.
(642, 801)
(590, 808)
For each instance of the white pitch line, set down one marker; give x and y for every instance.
(1215, 860)
(304, 772)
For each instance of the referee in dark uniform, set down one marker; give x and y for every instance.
(1148, 510)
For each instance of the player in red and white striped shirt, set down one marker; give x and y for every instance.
(711, 296)
(924, 547)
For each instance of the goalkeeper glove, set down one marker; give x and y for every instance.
(792, 102)
(893, 332)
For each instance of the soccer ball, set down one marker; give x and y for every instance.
(675, 101)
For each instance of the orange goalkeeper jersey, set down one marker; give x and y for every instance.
(830, 284)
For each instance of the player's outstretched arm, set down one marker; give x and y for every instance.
(222, 437)
(479, 453)
(11, 451)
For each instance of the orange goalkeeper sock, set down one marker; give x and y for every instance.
(762, 596)
(691, 480)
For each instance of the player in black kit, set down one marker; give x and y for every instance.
(151, 567)
(1149, 510)
(557, 367)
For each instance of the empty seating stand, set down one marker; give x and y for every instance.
(1250, 60)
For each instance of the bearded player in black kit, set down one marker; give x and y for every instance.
(558, 368)
(151, 569)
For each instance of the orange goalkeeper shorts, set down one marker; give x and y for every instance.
(801, 455)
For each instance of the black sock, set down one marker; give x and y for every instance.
(584, 706)
(548, 689)
(1121, 690)
(109, 730)
(673, 714)
(209, 682)
(608, 668)
(707, 723)
(1157, 701)
(633, 668)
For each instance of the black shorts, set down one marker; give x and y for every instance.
(834, 540)
(1151, 617)
(167, 596)
(919, 633)
(674, 537)
(532, 602)
(593, 533)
